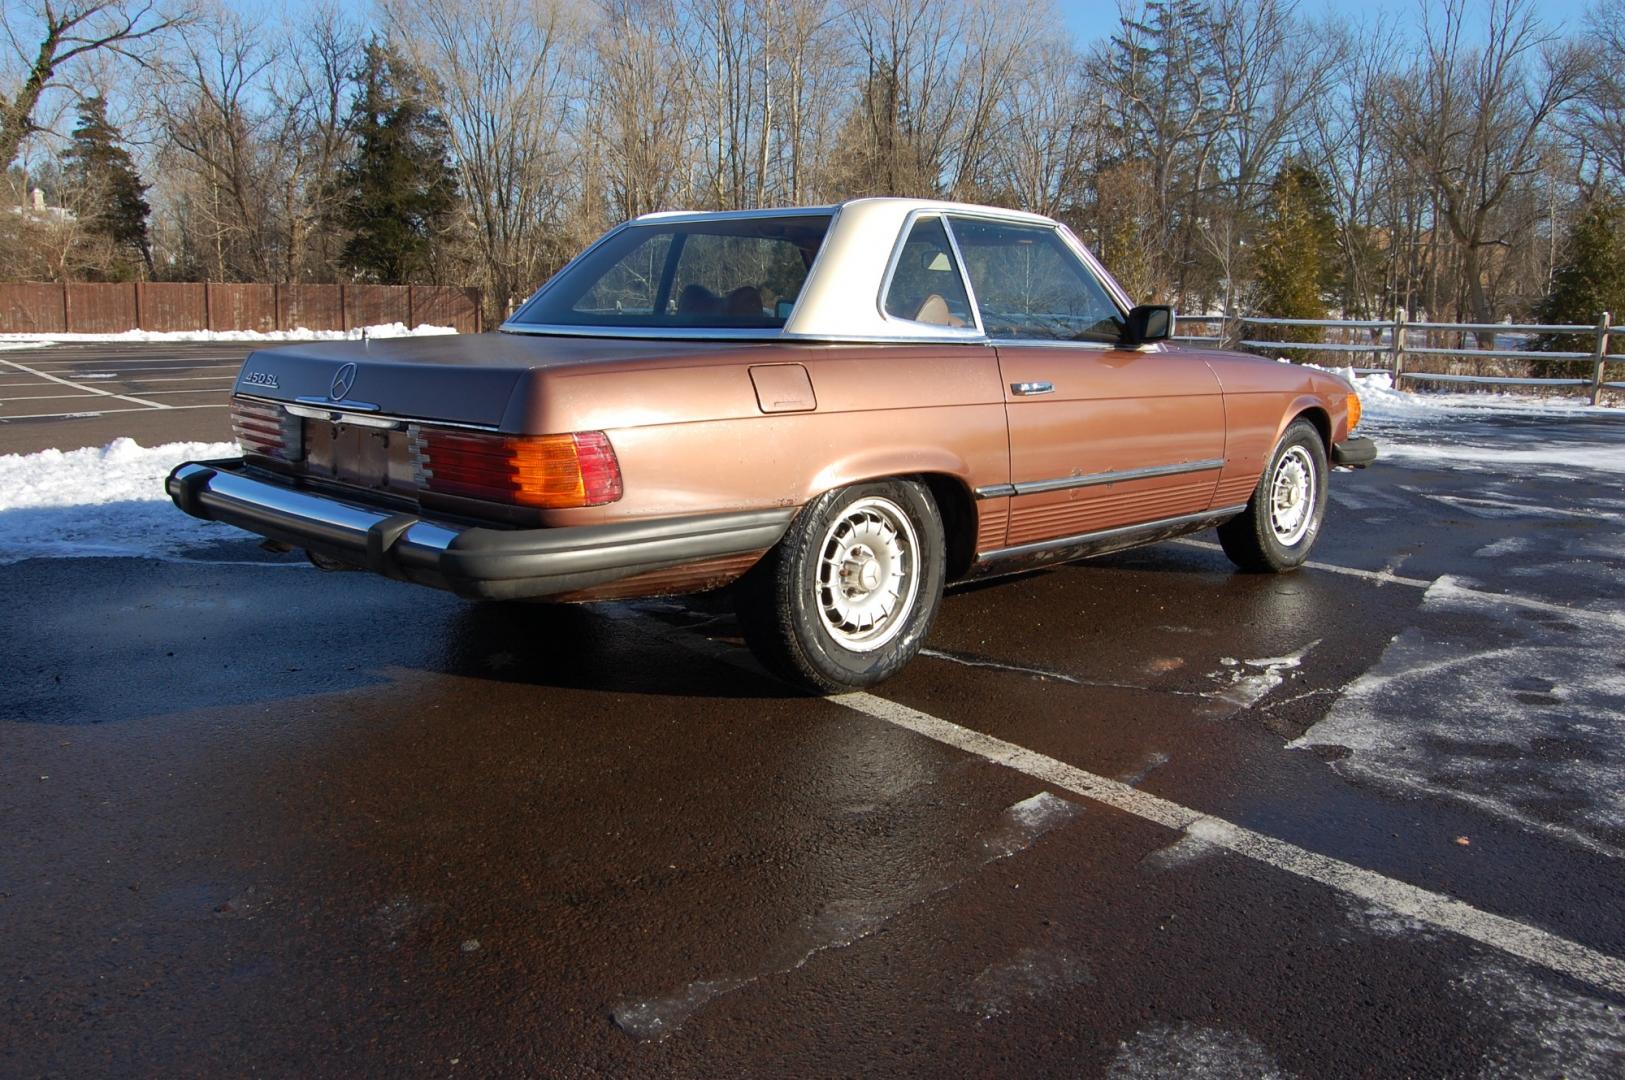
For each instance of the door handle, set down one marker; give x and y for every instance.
(1030, 389)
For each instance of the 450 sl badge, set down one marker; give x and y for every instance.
(260, 378)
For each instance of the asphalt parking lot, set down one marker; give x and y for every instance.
(72, 395)
(1135, 817)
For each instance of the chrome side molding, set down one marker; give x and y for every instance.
(1117, 476)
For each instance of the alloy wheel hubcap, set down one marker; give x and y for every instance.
(868, 574)
(1292, 496)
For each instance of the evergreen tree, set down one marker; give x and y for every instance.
(1297, 257)
(107, 191)
(1589, 281)
(398, 191)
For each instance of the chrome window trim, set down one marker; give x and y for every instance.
(1052, 343)
(960, 333)
(746, 336)
(663, 216)
(1121, 531)
(1118, 476)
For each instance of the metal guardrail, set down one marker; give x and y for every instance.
(1390, 343)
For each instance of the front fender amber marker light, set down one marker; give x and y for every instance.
(1354, 411)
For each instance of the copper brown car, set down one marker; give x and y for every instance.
(832, 411)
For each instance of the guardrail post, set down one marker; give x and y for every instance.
(1398, 346)
(1601, 353)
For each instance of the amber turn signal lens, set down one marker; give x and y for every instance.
(1354, 411)
(549, 471)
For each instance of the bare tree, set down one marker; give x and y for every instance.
(639, 115)
(310, 89)
(48, 39)
(1473, 119)
(504, 71)
(1049, 126)
(1597, 118)
(216, 128)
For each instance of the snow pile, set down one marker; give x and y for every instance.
(98, 502)
(382, 330)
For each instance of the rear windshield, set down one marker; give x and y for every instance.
(734, 274)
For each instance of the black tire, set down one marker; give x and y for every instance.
(1256, 540)
(793, 620)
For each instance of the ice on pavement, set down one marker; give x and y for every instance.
(1510, 708)
(1408, 429)
(100, 501)
(137, 337)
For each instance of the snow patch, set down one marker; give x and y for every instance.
(1545, 1028)
(1250, 680)
(380, 330)
(1512, 710)
(1187, 849)
(1192, 1053)
(1028, 820)
(107, 501)
(1379, 399)
(1029, 975)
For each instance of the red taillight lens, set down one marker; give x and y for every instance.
(267, 429)
(548, 471)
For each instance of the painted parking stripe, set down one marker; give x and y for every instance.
(78, 386)
(1446, 913)
(7, 417)
(1510, 936)
(1385, 577)
(182, 378)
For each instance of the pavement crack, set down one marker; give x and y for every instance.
(1021, 826)
(1058, 676)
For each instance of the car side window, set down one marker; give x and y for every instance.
(926, 285)
(1031, 286)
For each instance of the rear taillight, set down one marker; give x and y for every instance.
(267, 429)
(548, 471)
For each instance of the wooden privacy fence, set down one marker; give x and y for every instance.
(1431, 352)
(27, 308)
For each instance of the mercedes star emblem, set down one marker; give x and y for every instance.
(342, 382)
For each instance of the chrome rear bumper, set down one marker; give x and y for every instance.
(473, 561)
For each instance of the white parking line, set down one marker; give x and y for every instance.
(78, 386)
(1446, 913)
(7, 417)
(1510, 936)
(181, 378)
(126, 372)
(111, 362)
(1384, 577)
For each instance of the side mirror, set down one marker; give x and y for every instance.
(1148, 323)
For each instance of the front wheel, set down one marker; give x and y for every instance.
(1282, 519)
(848, 595)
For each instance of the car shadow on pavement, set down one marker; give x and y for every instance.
(646, 648)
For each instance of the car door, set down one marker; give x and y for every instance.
(1101, 436)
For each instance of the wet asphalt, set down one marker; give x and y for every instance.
(261, 820)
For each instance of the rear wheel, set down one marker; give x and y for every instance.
(848, 595)
(1282, 519)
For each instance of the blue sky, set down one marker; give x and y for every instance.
(1092, 19)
